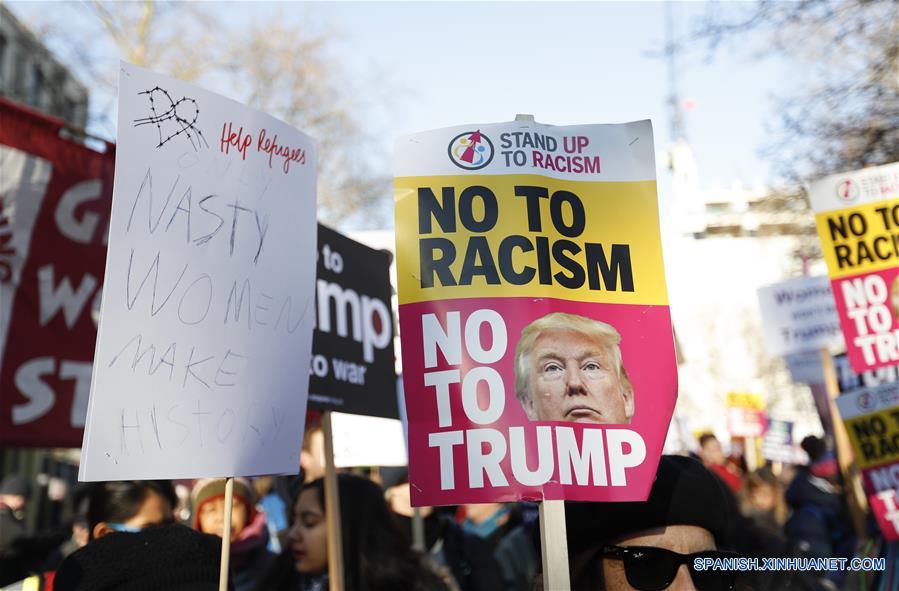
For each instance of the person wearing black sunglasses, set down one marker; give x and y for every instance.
(654, 545)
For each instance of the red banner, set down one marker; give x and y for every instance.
(55, 198)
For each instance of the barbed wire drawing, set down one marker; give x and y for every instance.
(179, 118)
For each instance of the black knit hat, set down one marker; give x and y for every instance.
(15, 484)
(684, 493)
(170, 557)
(394, 475)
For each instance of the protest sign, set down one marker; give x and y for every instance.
(777, 444)
(799, 315)
(746, 414)
(848, 380)
(367, 441)
(352, 346)
(203, 349)
(857, 214)
(538, 354)
(871, 416)
(805, 367)
(55, 197)
(885, 506)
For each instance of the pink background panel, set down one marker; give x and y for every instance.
(884, 516)
(647, 348)
(856, 358)
(886, 470)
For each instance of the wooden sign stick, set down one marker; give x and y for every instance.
(332, 510)
(858, 503)
(554, 546)
(226, 535)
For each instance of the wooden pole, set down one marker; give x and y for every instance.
(418, 531)
(226, 535)
(858, 503)
(749, 454)
(332, 510)
(554, 546)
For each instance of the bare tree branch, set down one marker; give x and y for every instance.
(277, 66)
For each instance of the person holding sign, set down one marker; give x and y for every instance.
(249, 536)
(662, 543)
(376, 555)
(569, 368)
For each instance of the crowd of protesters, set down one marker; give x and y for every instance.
(705, 506)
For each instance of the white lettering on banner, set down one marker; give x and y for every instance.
(364, 314)
(80, 371)
(82, 230)
(29, 380)
(866, 302)
(473, 339)
(347, 371)
(52, 298)
(581, 458)
(440, 381)
(616, 439)
(586, 461)
(495, 388)
(481, 462)
(40, 395)
(888, 498)
(445, 442)
(448, 342)
(884, 478)
(486, 449)
(544, 470)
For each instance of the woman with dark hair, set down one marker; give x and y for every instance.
(375, 554)
(129, 505)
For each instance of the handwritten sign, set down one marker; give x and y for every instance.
(799, 315)
(203, 349)
(857, 214)
(538, 353)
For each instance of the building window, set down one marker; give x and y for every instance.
(35, 85)
(4, 83)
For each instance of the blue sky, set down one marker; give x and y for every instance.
(424, 65)
(566, 63)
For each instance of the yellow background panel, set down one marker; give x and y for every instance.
(875, 227)
(881, 443)
(616, 213)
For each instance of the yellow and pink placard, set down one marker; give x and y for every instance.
(857, 214)
(537, 348)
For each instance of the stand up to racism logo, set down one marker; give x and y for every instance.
(471, 150)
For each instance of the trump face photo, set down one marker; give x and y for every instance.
(569, 368)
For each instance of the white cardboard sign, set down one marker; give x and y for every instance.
(799, 315)
(367, 441)
(202, 359)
